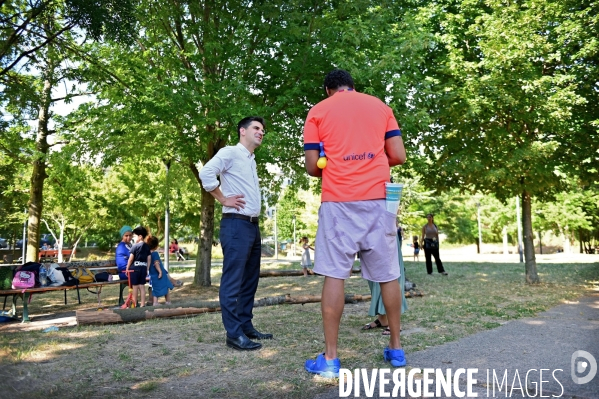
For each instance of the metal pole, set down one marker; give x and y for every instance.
(24, 245)
(294, 251)
(276, 240)
(519, 229)
(480, 236)
(167, 220)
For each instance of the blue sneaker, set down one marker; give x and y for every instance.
(396, 357)
(322, 367)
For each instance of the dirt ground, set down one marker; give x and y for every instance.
(186, 357)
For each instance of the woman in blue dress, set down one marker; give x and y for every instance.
(161, 283)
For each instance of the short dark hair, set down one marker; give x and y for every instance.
(338, 78)
(140, 231)
(152, 242)
(247, 121)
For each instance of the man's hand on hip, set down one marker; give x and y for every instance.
(234, 201)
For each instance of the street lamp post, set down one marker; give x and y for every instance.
(519, 229)
(167, 220)
(480, 236)
(294, 241)
(24, 245)
(276, 239)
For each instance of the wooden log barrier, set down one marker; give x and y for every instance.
(115, 316)
(289, 273)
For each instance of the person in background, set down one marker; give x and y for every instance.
(306, 261)
(416, 248)
(45, 246)
(430, 243)
(174, 249)
(377, 308)
(158, 276)
(139, 260)
(362, 140)
(123, 251)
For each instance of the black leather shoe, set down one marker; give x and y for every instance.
(243, 343)
(255, 334)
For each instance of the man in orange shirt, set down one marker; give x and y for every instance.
(361, 139)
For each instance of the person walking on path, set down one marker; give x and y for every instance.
(361, 140)
(239, 193)
(430, 243)
(306, 261)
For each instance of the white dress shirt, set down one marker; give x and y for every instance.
(237, 169)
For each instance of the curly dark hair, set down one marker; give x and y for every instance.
(338, 78)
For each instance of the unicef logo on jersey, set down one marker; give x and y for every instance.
(358, 157)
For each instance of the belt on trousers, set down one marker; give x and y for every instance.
(251, 219)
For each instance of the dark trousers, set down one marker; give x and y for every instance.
(240, 240)
(428, 252)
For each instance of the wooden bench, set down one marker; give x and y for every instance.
(52, 254)
(95, 266)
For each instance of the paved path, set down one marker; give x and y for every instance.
(547, 341)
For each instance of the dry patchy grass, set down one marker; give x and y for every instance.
(187, 357)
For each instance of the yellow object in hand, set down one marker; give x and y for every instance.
(322, 162)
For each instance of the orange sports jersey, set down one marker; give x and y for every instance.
(353, 128)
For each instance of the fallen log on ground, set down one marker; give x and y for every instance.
(114, 316)
(288, 273)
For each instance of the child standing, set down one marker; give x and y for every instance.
(138, 262)
(161, 283)
(306, 261)
(416, 248)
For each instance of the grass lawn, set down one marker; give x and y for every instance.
(187, 357)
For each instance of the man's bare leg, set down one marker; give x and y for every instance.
(392, 300)
(333, 301)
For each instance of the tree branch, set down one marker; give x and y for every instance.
(69, 96)
(34, 49)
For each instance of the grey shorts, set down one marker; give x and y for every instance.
(345, 228)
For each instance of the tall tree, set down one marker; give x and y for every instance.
(23, 25)
(504, 104)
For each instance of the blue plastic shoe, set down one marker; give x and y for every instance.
(322, 367)
(396, 357)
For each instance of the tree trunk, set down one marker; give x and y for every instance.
(529, 250)
(505, 247)
(204, 259)
(567, 248)
(38, 176)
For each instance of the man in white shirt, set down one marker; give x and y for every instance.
(239, 193)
